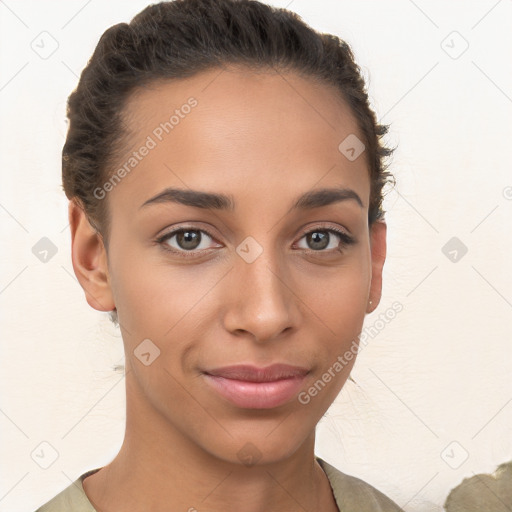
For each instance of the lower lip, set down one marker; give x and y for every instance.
(256, 395)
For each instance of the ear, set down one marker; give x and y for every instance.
(89, 260)
(378, 254)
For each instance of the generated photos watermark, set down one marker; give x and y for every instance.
(343, 360)
(157, 135)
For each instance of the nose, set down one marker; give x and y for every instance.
(261, 299)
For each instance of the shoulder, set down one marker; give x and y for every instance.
(352, 493)
(71, 499)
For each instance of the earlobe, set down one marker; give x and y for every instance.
(378, 256)
(89, 259)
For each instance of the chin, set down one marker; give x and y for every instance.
(259, 449)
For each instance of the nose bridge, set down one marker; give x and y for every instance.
(262, 302)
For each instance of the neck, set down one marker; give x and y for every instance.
(159, 468)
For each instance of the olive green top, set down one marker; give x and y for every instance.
(351, 495)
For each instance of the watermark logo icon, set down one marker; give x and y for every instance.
(249, 455)
(44, 454)
(44, 250)
(455, 455)
(454, 45)
(351, 147)
(146, 352)
(44, 44)
(454, 249)
(249, 249)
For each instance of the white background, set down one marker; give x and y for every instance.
(439, 373)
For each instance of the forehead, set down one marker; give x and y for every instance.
(237, 128)
(234, 93)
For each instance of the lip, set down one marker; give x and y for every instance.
(252, 387)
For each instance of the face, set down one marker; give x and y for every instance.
(266, 274)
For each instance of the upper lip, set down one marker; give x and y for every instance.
(257, 374)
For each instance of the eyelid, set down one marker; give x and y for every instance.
(327, 226)
(190, 226)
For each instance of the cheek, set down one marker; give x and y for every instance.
(339, 308)
(339, 296)
(157, 299)
(160, 300)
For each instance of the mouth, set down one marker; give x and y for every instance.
(250, 387)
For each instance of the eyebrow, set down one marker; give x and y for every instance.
(209, 200)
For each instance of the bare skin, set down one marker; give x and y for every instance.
(264, 140)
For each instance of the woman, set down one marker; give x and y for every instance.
(225, 176)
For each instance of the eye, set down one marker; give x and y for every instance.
(188, 242)
(331, 239)
(185, 240)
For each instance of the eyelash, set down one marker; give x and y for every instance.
(346, 240)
